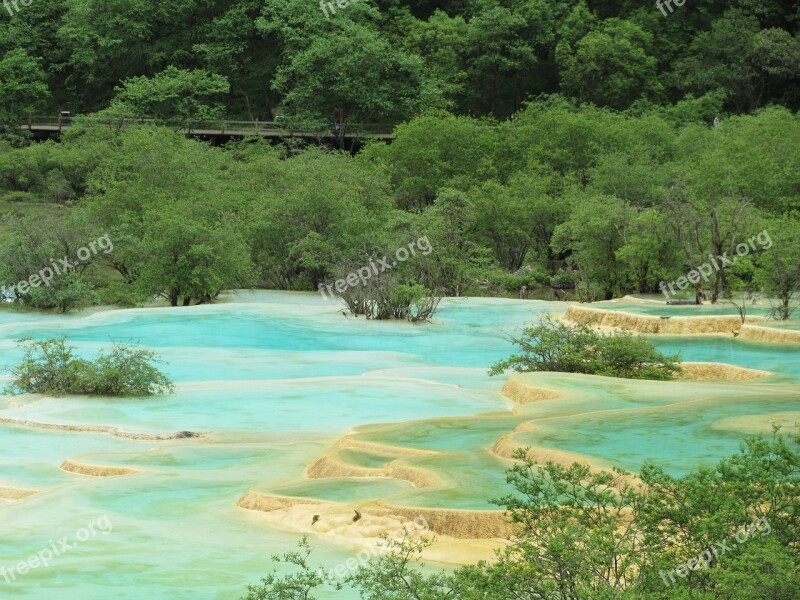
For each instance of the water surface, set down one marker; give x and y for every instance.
(275, 379)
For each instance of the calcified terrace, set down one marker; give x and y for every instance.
(289, 417)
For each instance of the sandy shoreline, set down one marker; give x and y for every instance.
(330, 466)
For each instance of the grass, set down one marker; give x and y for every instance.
(9, 210)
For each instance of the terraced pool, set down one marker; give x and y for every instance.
(276, 381)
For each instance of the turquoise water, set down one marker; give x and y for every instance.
(793, 323)
(275, 379)
(784, 359)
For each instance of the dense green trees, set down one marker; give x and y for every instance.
(35, 245)
(610, 66)
(23, 90)
(390, 60)
(160, 198)
(589, 202)
(779, 271)
(594, 148)
(327, 82)
(175, 94)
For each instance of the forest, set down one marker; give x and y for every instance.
(558, 150)
(566, 149)
(386, 61)
(575, 202)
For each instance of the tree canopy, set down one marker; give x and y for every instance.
(390, 60)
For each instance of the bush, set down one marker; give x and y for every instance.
(582, 533)
(18, 197)
(50, 367)
(383, 296)
(554, 346)
(563, 280)
(66, 292)
(501, 281)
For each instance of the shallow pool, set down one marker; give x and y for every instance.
(275, 380)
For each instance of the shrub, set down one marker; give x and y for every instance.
(582, 533)
(69, 291)
(384, 296)
(127, 371)
(555, 346)
(500, 281)
(50, 367)
(19, 197)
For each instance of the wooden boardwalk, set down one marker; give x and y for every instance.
(266, 129)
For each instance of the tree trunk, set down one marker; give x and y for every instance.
(699, 296)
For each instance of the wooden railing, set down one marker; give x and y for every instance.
(279, 128)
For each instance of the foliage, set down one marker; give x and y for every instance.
(395, 59)
(428, 155)
(34, 244)
(512, 282)
(584, 533)
(594, 232)
(556, 346)
(173, 236)
(312, 212)
(516, 219)
(51, 367)
(610, 66)
(397, 572)
(23, 86)
(383, 296)
(607, 203)
(327, 85)
(576, 537)
(297, 586)
(779, 271)
(174, 95)
(191, 261)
